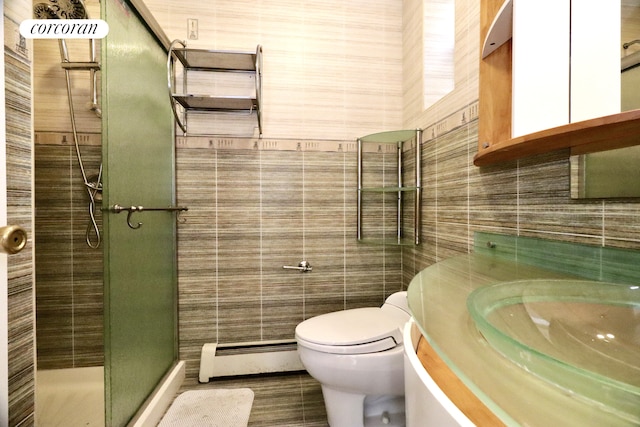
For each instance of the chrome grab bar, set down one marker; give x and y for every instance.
(303, 267)
(131, 209)
(171, 83)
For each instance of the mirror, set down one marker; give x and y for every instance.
(616, 173)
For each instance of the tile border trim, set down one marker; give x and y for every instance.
(459, 118)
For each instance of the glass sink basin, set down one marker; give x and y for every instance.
(582, 336)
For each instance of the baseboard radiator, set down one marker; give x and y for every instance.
(248, 358)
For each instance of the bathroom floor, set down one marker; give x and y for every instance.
(291, 399)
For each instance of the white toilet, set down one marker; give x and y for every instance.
(357, 356)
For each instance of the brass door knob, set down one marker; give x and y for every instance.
(13, 239)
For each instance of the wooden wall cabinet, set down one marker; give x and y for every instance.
(495, 141)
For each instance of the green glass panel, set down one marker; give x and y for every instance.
(589, 261)
(140, 268)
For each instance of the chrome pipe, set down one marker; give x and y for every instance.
(359, 225)
(399, 201)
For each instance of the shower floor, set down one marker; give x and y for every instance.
(70, 397)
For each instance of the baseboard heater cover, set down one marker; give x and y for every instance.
(248, 358)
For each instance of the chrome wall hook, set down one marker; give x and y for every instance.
(138, 225)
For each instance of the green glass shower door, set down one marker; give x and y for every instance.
(140, 264)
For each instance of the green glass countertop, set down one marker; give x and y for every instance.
(438, 299)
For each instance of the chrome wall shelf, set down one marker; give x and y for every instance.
(400, 140)
(183, 102)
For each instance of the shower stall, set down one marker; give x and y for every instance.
(105, 293)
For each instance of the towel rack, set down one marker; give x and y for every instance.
(131, 209)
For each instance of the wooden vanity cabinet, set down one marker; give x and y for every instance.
(494, 106)
(495, 141)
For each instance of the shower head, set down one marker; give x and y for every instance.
(69, 9)
(60, 9)
(44, 11)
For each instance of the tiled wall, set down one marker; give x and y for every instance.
(332, 71)
(254, 210)
(21, 334)
(69, 296)
(20, 271)
(530, 197)
(52, 115)
(526, 198)
(69, 288)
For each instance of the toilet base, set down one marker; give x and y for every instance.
(343, 409)
(386, 420)
(384, 411)
(357, 410)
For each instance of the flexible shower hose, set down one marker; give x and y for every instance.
(92, 236)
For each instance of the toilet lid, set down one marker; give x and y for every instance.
(356, 331)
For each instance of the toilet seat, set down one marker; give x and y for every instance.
(364, 348)
(355, 331)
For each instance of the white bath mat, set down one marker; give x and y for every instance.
(210, 408)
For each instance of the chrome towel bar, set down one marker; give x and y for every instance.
(131, 209)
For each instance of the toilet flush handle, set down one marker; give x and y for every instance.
(303, 267)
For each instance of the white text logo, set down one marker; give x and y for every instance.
(64, 28)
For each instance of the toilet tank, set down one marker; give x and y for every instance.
(397, 306)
